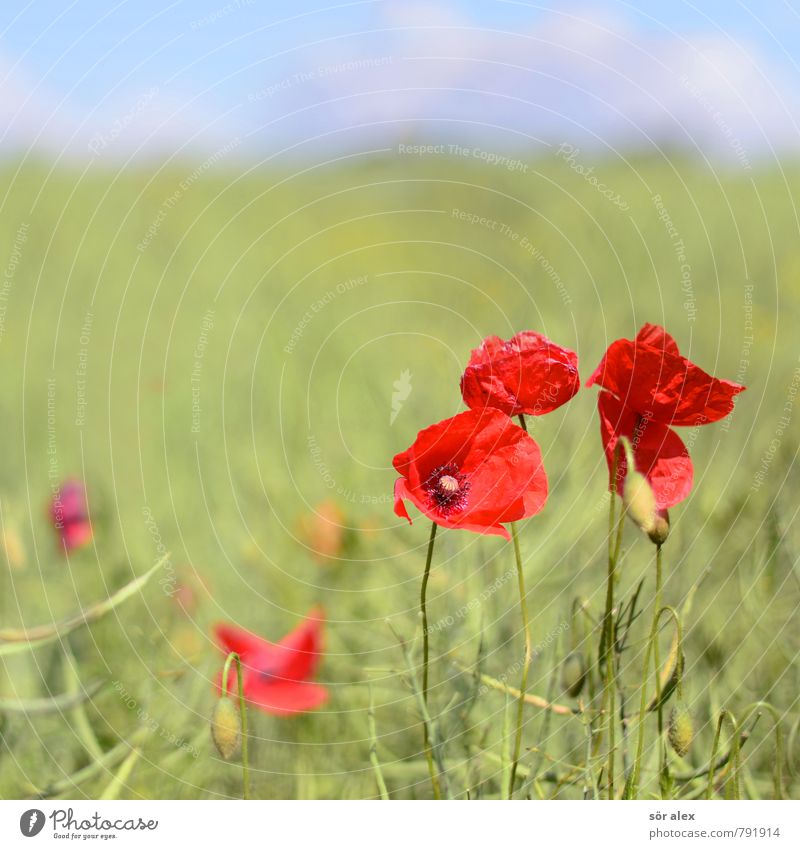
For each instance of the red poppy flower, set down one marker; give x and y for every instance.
(527, 375)
(649, 387)
(475, 471)
(70, 515)
(276, 676)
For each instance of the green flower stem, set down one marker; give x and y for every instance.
(756, 708)
(526, 663)
(425, 652)
(373, 749)
(714, 746)
(233, 656)
(614, 542)
(657, 660)
(632, 788)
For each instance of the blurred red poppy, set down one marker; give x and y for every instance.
(475, 471)
(323, 531)
(649, 387)
(527, 375)
(277, 676)
(70, 515)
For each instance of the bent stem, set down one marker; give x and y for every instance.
(526, 663)
(632, 788)
(424, 610)
(233, 656)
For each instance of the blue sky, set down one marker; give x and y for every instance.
(160, 75)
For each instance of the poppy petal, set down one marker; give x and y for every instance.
(399, 494)
(528, 375)
(285, 698)
(301, 648)
(247, 645)
(670, 388)
(501, 464)
(659, 452)
(511, 483)
(76, 534)
(657, 337)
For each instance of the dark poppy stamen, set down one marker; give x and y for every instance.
(447, 489)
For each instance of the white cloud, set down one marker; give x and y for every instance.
(425, 70)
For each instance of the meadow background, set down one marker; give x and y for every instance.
(212, 342)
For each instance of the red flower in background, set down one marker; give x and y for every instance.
(276, 676)
(324, 530)
(649, 387)
(475, 471)
(527, 375)
(70, 515)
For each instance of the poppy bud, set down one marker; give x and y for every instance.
(637, 494)
(658, 535)
(226, 728)
(639, 501)
(573, 674)
(681, 729)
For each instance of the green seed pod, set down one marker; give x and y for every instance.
(681, 729)
(226, 728)
(639, 500)
(573, 674)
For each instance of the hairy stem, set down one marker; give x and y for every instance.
(425, 652)
(233, 657)
(526, 663)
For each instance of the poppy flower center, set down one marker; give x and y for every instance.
(448, 483)
(447, 489)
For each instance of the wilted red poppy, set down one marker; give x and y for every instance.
(650, 387)
(527, 375)
(475, 471)
(70, 515)
(277, 676)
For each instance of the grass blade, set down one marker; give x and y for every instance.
(117, 783)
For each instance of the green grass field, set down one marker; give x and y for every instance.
(215, 355)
